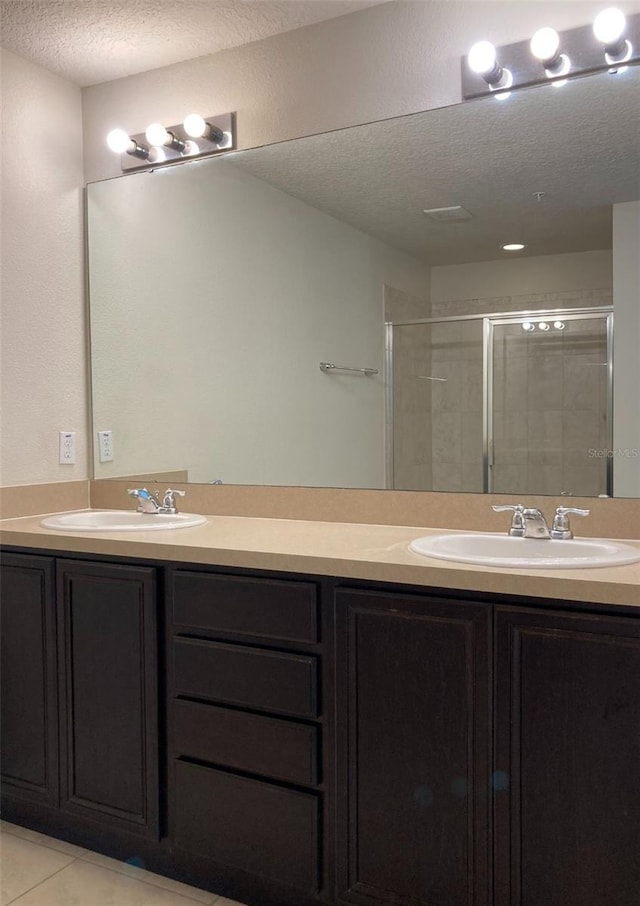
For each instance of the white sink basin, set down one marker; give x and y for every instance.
(120, 521)
(492, 549)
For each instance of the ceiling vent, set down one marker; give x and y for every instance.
(448, 215)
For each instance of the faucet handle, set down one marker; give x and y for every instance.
(147, 502)
(143, 493)
(561, 530)
(517, 523)
(169, 499)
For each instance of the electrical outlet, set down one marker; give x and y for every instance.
(105, 446)
(67, 448)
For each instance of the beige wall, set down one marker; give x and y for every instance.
(384, 61)
(521, 276)
(217, 349)
(388, 60)
(43, 324)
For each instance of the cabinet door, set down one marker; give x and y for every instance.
(109, 699)
(567, 799)
(29, 692)
(413, 750)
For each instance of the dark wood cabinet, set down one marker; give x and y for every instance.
(291, 741)
(567, 782)
(274, 681)
(248, 735)
(109, 697)
(260, 828)
(413, 687)
(29, 685)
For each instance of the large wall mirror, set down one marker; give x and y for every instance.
(218, 287)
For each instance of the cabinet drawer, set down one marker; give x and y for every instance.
(257, 827)
(248, 742)
(264, 608)
(249, 677)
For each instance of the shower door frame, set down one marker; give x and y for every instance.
(489, 321)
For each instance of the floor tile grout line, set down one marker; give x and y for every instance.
(82, 858)
(40, 883)
(54, 849)
(116, 871)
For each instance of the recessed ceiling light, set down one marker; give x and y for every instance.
(514, 247)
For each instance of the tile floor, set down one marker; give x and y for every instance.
(36, 870)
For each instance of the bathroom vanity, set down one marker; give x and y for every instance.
(379, 729)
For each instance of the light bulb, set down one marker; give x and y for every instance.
(195, 125)
(482, 57)
(190, 148)
(156, 134)
(527, 325)
(542, 325)
(513, 247)
(545, 44)
(119, 142)
(559, 325)
(609, 26)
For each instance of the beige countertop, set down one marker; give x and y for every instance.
(349, 550)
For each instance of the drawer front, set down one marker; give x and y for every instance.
(248, 677)
(264, 608)
(257, 827)
(247, 742)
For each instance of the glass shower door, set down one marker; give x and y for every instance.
(548, 409)
(436, 406)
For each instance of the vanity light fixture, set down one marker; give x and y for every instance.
(542, 325)
(161, 146)
(498, 71)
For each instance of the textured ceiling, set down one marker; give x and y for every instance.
(579, 144)
(91, 41)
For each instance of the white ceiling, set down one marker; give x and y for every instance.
(91, 41)
(579, 144)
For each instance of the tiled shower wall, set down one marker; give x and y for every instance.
(549, 410)
(580, 298)
(412, 434)
(456, 406)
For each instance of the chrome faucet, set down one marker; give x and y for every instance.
(529, 522)
(535, 525)
(149, 502)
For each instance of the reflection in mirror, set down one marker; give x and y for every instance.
(217, 288)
